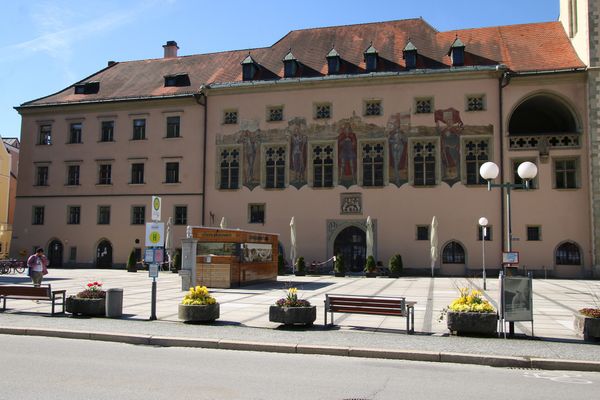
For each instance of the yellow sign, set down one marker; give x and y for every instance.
(155, 234)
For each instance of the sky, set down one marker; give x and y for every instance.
(47, 45)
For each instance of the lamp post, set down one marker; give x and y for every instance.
(483, 223)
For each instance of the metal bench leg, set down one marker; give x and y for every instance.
(412, 319)
(4, 303)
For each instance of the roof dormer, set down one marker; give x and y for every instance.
(249, 68)
(457, 52)
(371, 58)
(410, 55)
(333, 62)
(290, 65)
(91, 87)
(178, 80)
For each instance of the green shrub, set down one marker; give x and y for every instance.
(339, 265)
(177, 260)
(395, 264)
(280, 264)
(371, 265)
(131, 261)
(301, 265)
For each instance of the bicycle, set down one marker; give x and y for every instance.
(18, 267)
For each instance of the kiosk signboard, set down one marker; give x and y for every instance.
(518, 303)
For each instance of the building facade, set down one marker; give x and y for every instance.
(390, 120)
(9, 164)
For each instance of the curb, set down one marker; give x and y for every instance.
(362, 352)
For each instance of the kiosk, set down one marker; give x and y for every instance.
(228, 258)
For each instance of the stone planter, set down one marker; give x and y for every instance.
(472, 323)
(198, 313)
(586, 327)
(293, 315)
(371, 274)
(339, 274)
(87, 307)
(298, 273)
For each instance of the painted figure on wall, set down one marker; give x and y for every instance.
(396, 130)
(298, 141)
(250, 140)
(449, 126)
(347, 156)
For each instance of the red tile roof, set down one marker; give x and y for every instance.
(527, 47)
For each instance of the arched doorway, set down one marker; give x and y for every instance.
(351, 243)
(104, 254)
(55, 253)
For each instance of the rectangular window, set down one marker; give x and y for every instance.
(256, 213)
(73, 175)
(229, 167)
(139, 129)
(373, 108)
(108, 131)
(75, 133)
(373, 164)
(180, 215)
(138, 215)
(105, 174)
(476, 153)
(38, 215)
(73, 253)
(275, 162)
(488, 233)
(103, 215)
(423, 232)
(173, 127)
(517, 179)
(172, 172)
(424, 105)
(534, 233)
(73, 215)
(230, 117)
(322, 111)
(41, 175)
(424, 163)
(45, 135)
(476, 103)
(565, 174)
(323, 164)
(275, 114)
(137, 173)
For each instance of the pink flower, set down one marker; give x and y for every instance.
(90, 284)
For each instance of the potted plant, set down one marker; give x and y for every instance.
(198, 306)
(131, 262)
(290, 310)
(395, 265)
(371, 267)
(89, 302)
(587, 323)
(471, 314)
(300, 267)
(339, 268)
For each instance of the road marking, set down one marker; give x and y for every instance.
(559, 377)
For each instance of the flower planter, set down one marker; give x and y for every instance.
(588, 328)
(472, 323)
(371, 274)
(198, 313)
(87, 307)
(293, 315)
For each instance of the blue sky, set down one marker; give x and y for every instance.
(46, 45)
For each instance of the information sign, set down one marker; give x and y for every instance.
(156, 204)
(153, 271)
(149, 256)
(510, 257)
(155, 234)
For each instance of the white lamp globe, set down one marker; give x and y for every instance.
(483, 221)
(527, 170)
(489, 171)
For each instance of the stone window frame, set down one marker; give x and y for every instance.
(417, 227)
(137, 161)
(76, 215)
(577, 160)
(539, 233)
(177, 221)
(72, 129)
(44, 133)
(264, 212)
(463, 157)
(228, 116)
(367, 102)
(263, 164)
(470, 96)
(438, 160)
(269, 113)
(37, 182)
(219, 149)
(315, 112)
(310, 166)
(99, 164)
(98, 214)
(360, 170)
(134, 130)
(132, 220)
(416, 101)
(38, 218)
(68, 165)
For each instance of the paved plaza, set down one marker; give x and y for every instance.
(554, 301)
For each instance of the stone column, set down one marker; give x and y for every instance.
(188, 263)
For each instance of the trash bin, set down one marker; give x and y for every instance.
(114, 303)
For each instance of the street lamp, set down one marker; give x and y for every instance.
(483, 223)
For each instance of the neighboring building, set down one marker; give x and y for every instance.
(390, 120)
(9, 163)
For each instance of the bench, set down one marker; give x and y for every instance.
(29, 292)
(372, 305)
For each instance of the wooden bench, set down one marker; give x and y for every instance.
(372, 305)
(30, 292)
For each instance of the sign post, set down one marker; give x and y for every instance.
(155, 241)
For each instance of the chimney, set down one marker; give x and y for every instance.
(171, 49)
(111, 63)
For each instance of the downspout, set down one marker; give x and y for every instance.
(503, 82)
(202, 100)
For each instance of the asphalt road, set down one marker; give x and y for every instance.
(52, 368)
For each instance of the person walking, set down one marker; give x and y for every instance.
(38, 266)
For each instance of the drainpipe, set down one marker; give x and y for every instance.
(503, 82)
(202, 100)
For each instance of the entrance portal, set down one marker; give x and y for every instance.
(351, 243)
(55, 253)
(104, 254)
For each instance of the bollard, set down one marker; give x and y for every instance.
(114, 303)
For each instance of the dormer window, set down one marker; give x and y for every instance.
(410, 55)
(371, 57)
(333, 62)
(177, 80)
(249, 68)
(87, 87)
(457, 53)
(290, 65)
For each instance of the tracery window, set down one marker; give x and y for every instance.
(476, 153)
(323, 161)
(275, 161)
(424, 163)
(229, 168)
(372, 164)
(453, 253)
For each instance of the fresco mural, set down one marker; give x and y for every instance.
(346, 134)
